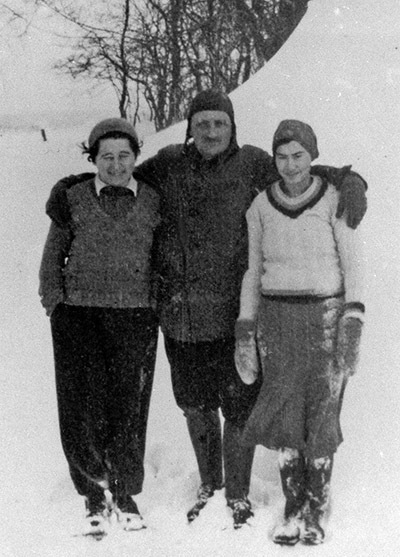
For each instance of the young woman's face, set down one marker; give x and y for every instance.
(293, 163)
(115, 161)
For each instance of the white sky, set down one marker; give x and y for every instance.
(28, 84)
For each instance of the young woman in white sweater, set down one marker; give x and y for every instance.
(301, 317)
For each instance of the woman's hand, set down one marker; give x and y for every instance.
(348, 347)
(246, 353)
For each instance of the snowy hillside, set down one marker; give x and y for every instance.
(340, 72)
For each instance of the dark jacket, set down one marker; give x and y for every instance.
(202, 241)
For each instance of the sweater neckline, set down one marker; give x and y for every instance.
(294, 206)
(95, 201)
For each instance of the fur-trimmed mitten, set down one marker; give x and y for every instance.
(246, 354)
(349, 336)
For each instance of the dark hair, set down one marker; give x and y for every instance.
(94, 150)
(283, 141)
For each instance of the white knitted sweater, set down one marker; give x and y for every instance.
(297, 246)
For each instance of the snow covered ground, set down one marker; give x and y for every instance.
(340, 72)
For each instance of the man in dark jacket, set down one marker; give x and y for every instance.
(206, 186)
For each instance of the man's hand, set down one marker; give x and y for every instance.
(352, 200)
(352, 192)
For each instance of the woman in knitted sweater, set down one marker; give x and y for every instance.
(95, 284)
(301, 304)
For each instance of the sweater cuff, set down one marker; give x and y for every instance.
(50, 301)
(244, 329)
(355, 310)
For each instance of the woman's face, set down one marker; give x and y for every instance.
(115, 161)
(293, 163)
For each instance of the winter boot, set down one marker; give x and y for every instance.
(287, 531)
(319, 473)
(312, 532)
(292, 472)
(241, 511)
(205, 434)
(238, 460)
(204, 492)
(97, 516)
(128, 514)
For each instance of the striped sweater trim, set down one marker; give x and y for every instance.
(294, 206)
(354, 309)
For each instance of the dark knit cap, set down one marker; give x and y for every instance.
(112, 125)
(294, 130)
(211, 99)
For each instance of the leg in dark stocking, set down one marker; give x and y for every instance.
(238, 460)
(205, 434)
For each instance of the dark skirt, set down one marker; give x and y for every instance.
(301, 396)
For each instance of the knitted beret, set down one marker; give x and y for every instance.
(112, 125)
(294, 130)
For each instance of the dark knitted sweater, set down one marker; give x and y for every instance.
(103, 258)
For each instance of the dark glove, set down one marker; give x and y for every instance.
(246, 354)
(352, 199)
(349, 336)
(352, 187)
(57, 207)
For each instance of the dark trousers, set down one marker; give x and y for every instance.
(104, 363)
(204, 380)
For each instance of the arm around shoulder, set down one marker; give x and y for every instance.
(154, 169)
(57, 205)
(352, 192)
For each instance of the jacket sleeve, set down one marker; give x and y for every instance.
(155, 169)
(260, 168)
(55, 253)
(57, 207)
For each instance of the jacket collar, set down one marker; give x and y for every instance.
(198, 160)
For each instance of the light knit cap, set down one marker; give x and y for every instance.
(294, 130)
(112, 125)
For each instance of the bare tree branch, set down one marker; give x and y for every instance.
(164, 51)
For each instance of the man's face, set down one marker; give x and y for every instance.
(211, 131)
